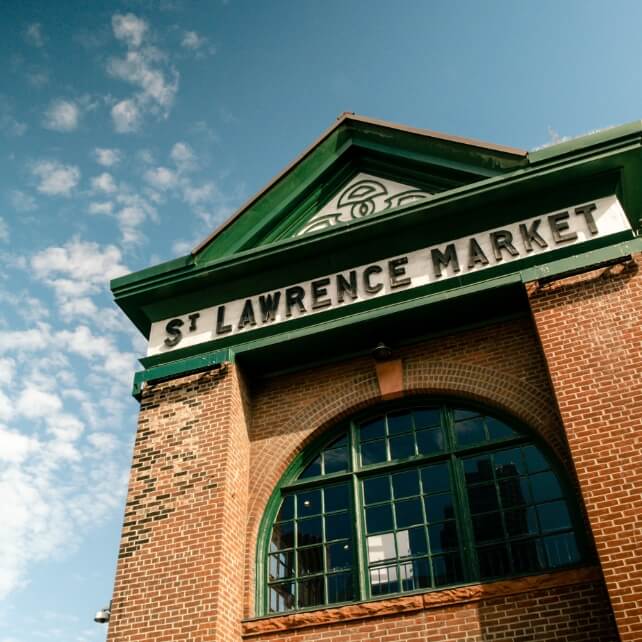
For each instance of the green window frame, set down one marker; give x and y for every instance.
(414, 497)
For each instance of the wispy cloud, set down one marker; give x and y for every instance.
(22, 201)
(104, 183)
(33, 35)
(62, 116)
(55, 179)
(107, 157)
(9, 124)
(197, 44)
(146, 68)
(4, 231)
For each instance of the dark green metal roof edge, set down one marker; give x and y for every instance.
(585, 142)
(171, 266)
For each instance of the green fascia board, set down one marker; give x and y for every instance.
(181, 367)
(585, 142)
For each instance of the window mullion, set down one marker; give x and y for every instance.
(360, 559)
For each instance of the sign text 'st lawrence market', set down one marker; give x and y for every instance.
(455, 258)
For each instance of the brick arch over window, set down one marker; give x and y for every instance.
(489, 386)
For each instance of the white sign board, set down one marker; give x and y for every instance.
(481, 251)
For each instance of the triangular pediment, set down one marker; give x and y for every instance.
(358, 168)
(364, 195)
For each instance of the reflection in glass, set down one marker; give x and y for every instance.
(287, 509)
(430, 441)
(335, 460)
(281, 565)
(493, 561)
(376, 489)
(435, 478)
(373, 452)
(282, 536)
(338, 555)
(308, 503)
(384, 580)
(545, 487)
(443, 537)
(379, 518)
(561, 549)
(405, 484)
(372, 430)
(408, 512)
(427, 418)
(447, 569)
(478, 469)
(281, 597)
(337, 526)
(509, 462)
(381, 547)
(402, 447)
(309, 531)
(399, 423)
(470, 431)
(482, 498)
(527, 556)
(340, 588)
(310, 560)
(412, 542)
(311, 592)
(554, 516)
(439, 507)
(336, 498)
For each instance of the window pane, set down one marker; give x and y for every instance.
(379, 518)
(308, 503)
(313, 469)
(535, 461)
(282, 565)
(470, 431)
(509, 463)
(281, 597)
(439, 507)
(399, 423)
(435, 478)
(336, 498)
(372, 430)
(527, 556)
(482, 498)
(310, 560)
(373, 452)
(447, 569)
(430, 441)
(498, 429)
(408, 513)
(520, 522)
(405, 484)
(339, 555)
(487, 527)
(282, 536)
(493, 561)
(340, 588)
(402, 447)
(412, 542)
(337, 526)
(554, 516)
(381, 547)
(384, 580)
(311, 592)
(287, 509)
(309, 531)
(443, 537)
(514, 491)
(561, 549)
(545, 486)
(478, 469)
(464, 414)
(427, 418)
(376, 489)
(335, 460)
(421, 573)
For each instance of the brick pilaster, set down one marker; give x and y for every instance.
(180, 567)
(590, 327)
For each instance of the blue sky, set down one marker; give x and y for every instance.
(130, 129)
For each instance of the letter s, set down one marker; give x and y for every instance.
(173, 329)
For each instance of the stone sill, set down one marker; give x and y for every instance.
(417, 601)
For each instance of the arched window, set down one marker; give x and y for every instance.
(414, 498)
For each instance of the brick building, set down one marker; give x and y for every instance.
(396, 397)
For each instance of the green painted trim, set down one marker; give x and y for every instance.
(180, 368)
(586, 142)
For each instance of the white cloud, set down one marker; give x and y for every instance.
(7, 370)
(101, 208)
(62, 116)
(195, 195)
(23, 202)
(14, 446)
(107, 157)
(81, 261)
(183, 156)
(126, 116)
(30, 340)
(34, 403)
(9, 125)
(104, 183)
(191, 40)
(103, 442)
(4, 231)
(6, 407)
(161, 178)
(33, 35)
(145, 67)
(38, 78)
(56, 179)
(129, 28)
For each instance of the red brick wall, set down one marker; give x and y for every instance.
(179, 569)
(590, 327)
